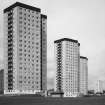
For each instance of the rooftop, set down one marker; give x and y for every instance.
(83, 57)
(44, 16)
(21, 5)
(66, 39)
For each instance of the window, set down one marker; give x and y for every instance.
(29, 20)
(20, 58)
(20, 67)
(28, 46)
(36, 47)
(32, 86)
(20, 54)
(37, 52)
(33, 25)
(24, 22)
(37, 73)
(24, 9)
(32, 38)
(37, 43)
(28, 10)
(25, 41)
(20, 49)
(37, 26)
(37, 69)
(20, 17)
(37, 57)
(37, 65)
(20, 22)
(20, 81)
(25, 55)
(24, 14)
(20, 45)
(20, 8)
(25, 28)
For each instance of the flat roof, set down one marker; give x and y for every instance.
(66, 39)
(43, 16)
(83, 57)
(21, 5)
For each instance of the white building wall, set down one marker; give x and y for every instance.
(69, 67)
(55, 63)
(26, 51)
(99, 86)
(83, 76)
(44, 50)
(15, 50)
(5, 52)
(104, 85)
(63, 65)
(58, 85)
(29, 77)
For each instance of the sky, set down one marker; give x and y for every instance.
(82, 20)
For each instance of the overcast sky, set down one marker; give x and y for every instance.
(83, 20)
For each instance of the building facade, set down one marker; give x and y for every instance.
(44, 51)
(83, 75)
(99, 86)
(67, 67)
(103, 85)
(25, 32)
(2, 81)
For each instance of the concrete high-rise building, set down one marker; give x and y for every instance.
(25, 32)
(103, 85)
(100, 86)
(83, 75)
(43, 52)
(67, 56)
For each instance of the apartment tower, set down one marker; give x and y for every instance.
(25, 32)
(67, 57)
(83, 75)
(99, 86)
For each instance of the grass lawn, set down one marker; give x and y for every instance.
(32, 100)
